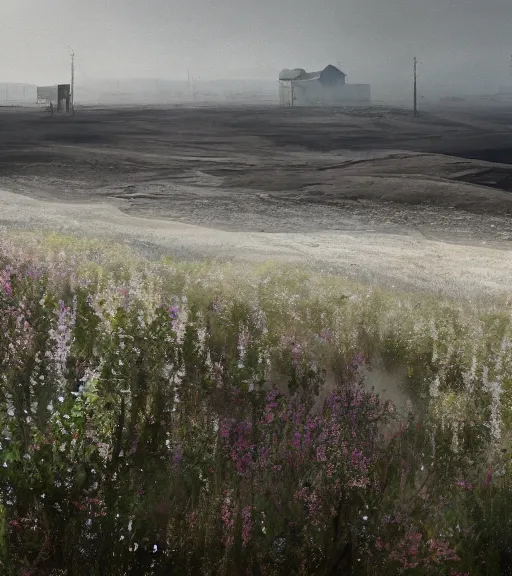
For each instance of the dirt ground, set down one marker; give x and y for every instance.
(347, 185)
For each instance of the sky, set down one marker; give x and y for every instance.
(464, 42)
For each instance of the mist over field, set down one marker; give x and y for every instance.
(462, 47)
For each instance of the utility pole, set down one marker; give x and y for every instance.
(73, 82)
(415, 89)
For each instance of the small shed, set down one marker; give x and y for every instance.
(59, 94)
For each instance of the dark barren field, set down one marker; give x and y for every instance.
(240, 168)
(445, 176)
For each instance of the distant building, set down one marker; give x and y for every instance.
(326, 87)
(17, 93)
(59, 94)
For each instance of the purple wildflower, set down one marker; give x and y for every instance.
(242, 449)
(5, 284)
(63, 335)
(297, 440)
(359, 360)
(173, 312)
(246, 525)
(228, 521)
(271, 405)
(320, 454)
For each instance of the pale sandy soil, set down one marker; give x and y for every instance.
(389, 259)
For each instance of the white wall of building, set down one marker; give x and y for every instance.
(285, 93)
(314, 93)
(357, 93)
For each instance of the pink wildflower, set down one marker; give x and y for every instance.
(5, 285)
(296, 441)
(228, 521)
(242, 449)
(246, 525)
(441, 552)
(406, 552)
(320, 454)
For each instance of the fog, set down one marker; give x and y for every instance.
(463, 46)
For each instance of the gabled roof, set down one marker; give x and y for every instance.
(331, 67)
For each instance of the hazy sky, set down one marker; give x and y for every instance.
(374, 40)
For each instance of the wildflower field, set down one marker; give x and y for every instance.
(205, 418)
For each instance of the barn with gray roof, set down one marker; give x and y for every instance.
(325, 87)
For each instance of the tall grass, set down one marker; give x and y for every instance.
(203, 418)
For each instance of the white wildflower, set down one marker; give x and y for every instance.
(434, 387)
(243, 341)
(485, 376)
(433, 333)
(455, 437)
(495, 419)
